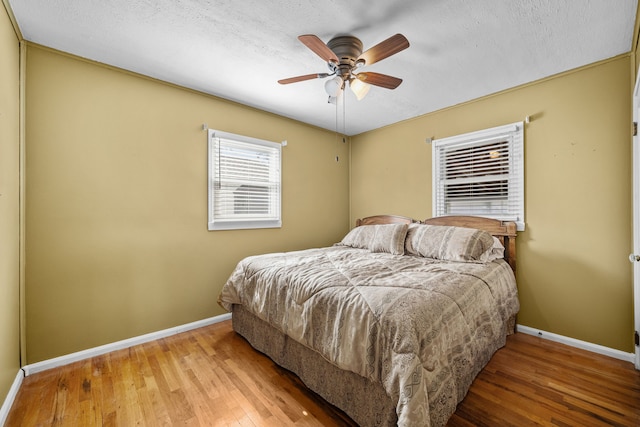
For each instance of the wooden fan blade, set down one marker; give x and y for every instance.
(385, 49)
(377, 79)
(319, 47)
(302, 78)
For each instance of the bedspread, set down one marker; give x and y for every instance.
(422, 328)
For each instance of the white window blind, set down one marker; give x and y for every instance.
(244, 182)
(481, 173)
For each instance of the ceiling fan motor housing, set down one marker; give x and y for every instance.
(347, 49)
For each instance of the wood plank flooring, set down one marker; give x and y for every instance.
(212, 377)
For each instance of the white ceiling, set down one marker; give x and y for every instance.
(235, 49)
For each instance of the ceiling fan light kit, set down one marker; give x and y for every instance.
(345, 58)
(333, 86)
(359, 88)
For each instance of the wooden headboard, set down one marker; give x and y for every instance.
(385, 219)
(505, 231)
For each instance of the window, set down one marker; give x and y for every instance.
(481, 173)
(244, 182)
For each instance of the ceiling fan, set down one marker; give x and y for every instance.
(344, 57)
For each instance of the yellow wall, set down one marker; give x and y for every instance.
(9, 205)
(574, 277)
(116, 202)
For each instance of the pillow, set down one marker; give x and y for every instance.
(496, 251)
(448, 243)
(377, 238)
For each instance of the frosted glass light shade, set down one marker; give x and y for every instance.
(333, 86)
(359, 88)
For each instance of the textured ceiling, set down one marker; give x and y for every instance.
(460, 49)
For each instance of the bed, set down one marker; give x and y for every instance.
(391, 324)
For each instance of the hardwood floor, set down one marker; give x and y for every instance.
(211, 376)
(533, 381)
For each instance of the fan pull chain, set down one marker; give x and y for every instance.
(344, 115)
(344, 123)
(337, 134)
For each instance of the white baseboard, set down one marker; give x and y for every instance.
(119, 345)
(8, 401)
(595, 348)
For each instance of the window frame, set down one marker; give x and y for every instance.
(274, 217)
(514, 133)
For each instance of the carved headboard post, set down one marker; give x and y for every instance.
(509, 242)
